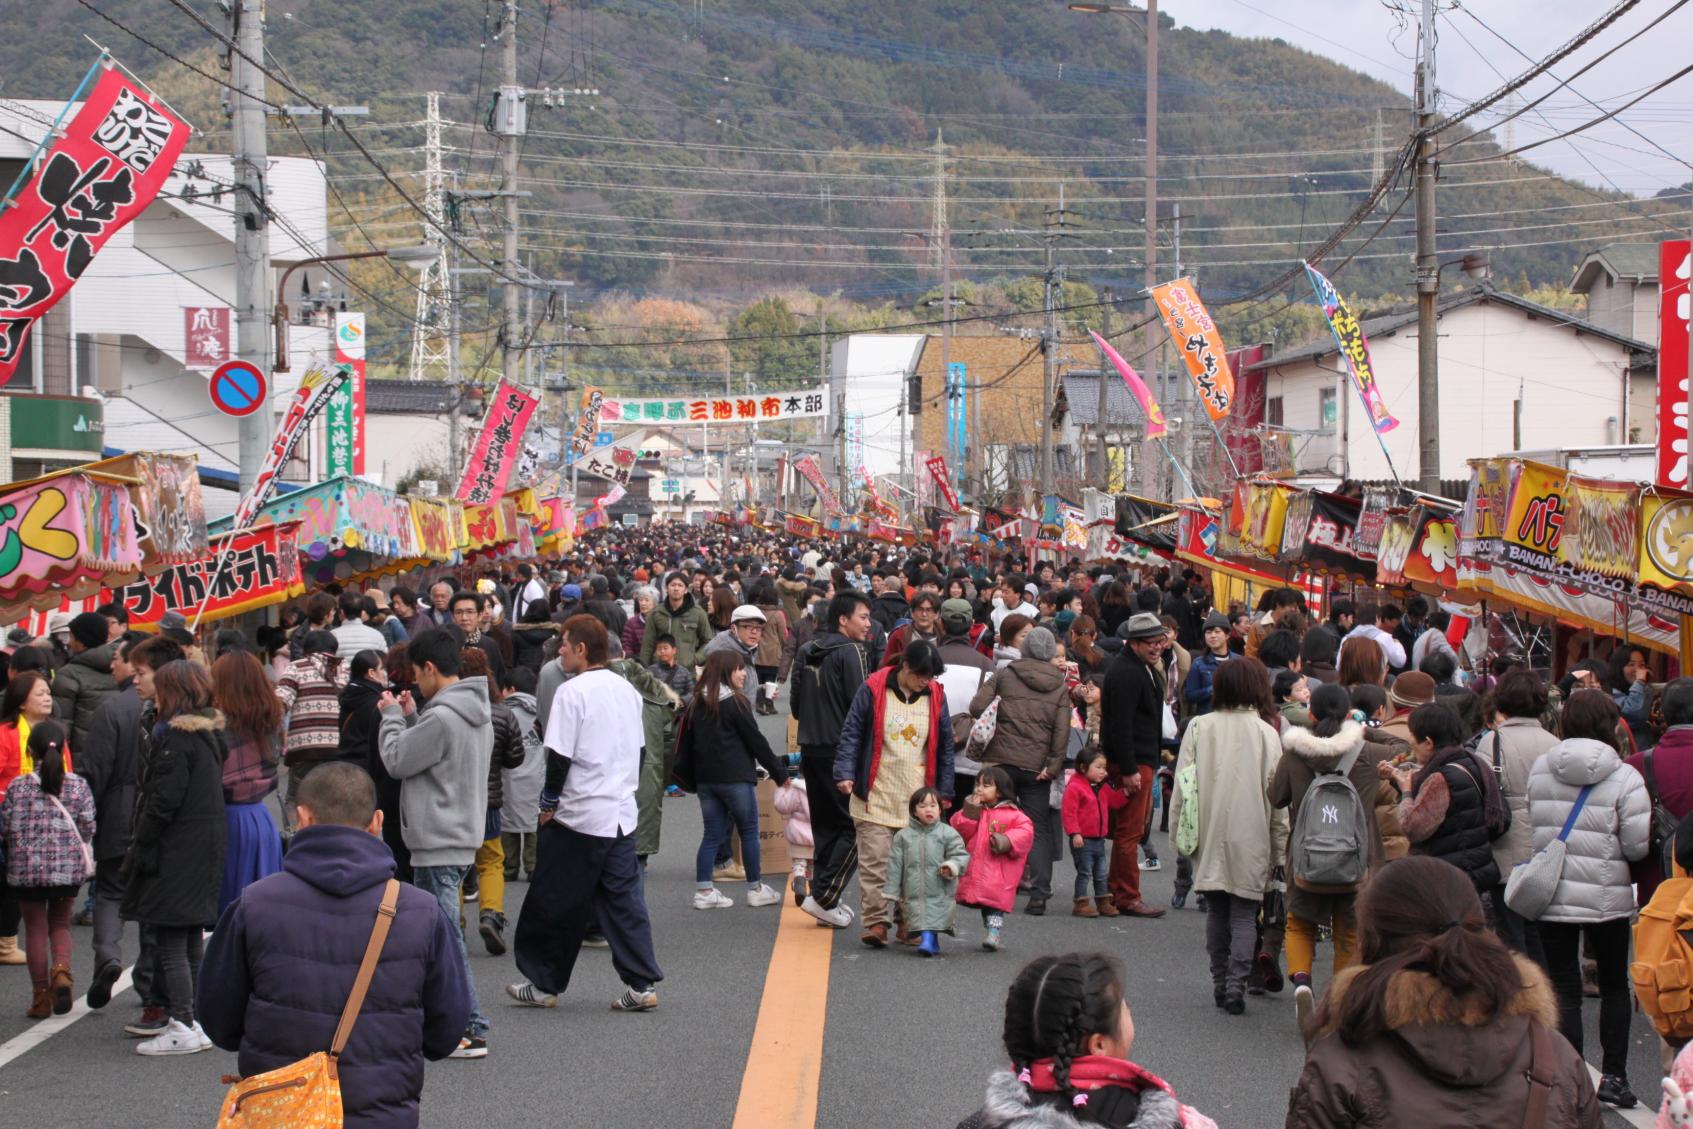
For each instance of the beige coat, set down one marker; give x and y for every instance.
(1241, 837)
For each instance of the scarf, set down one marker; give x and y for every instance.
(1090, 1073)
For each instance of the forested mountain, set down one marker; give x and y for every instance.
(743, 148)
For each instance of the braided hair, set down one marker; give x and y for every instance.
(1054, 1004)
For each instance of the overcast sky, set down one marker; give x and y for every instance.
(1370, 36)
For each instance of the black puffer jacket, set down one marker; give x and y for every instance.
(175, 864)
(1131, 718)
(1445, 815)
(827, 675)
(80, 687)
(890, 608)
(508, 751)
(107, 760)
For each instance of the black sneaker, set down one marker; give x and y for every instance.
(1035, 908)
(472, 886)
(493, 930)
(1234, 1003)
(1613, 1090)
(595, 941)
(100, 989)
(1219, 994)
(1178, 899)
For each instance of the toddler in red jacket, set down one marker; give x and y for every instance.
(1088, 804)
(999, 836)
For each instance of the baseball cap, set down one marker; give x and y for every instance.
(19, 637)
(957, 615)
(747, 612)
(572, 591)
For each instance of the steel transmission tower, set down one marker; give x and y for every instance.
(431, 338)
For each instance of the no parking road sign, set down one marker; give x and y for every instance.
(237, 388)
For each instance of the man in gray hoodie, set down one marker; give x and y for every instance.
(441, 756)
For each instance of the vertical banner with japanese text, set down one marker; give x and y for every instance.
(344, 420)
(943, 481)
(807, 467)
(1197, 340)
(1349, 338)
(489, 465)
(106, 165)
(1675, 264)
(317, 385)
(587, 422)
(205, 336)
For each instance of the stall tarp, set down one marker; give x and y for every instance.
(1141, 520)
(432, 522)
(68, 532)
(342, 515)
(261, 567)
(1602, 527)
(1319, 533)
(1196, 542)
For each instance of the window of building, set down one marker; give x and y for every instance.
(1328, 408)
(1273, 411)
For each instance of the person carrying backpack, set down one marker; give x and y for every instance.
(1328, 768)
(1663, 956)
(1234, 751)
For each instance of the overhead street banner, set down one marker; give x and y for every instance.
(1675, 264)
(749, 407)
(497, 448)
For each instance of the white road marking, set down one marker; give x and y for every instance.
(45, 1029)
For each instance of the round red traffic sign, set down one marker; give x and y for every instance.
(237, 388)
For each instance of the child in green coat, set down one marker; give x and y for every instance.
(928, 856)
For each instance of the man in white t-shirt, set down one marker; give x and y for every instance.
(1012, 598)
(354, 634)
(585, 862)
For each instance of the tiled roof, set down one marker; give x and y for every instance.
(407, 397)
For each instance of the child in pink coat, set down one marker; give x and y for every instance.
(999, 836)
(795, 810)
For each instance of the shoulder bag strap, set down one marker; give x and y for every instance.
(1575, 810)
(1651, 779)
(1540, 1079)
(367, 968)
(1344, 768)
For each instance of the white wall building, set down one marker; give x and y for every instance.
(1514, 375)
(871, 370)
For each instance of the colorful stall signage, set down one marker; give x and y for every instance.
(1601, 531)
(750, 407)
(205, 335)
(261, 567)
(433, 522)
(103, 169)
(1200, 345)
(168, 509)
(801, 526)
(346, 515)
(1666, 540)
(614, 464)
(316, 386)
(1435, 561)
(63, 533)
(1393, 551)
(1675, 265)
(489, 466)
(1535, 520)
(1155, 426)
(1264, 518)
(1197, 536)
(583, 439)
(1320, 532)
(344, 422)
(1349, 339)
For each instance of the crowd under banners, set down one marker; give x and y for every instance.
(807, 467)
(316, 387)
(614, 464)
(344, 420)
(497, 448)
(943, 481)
(1349, 338)
(752, 407)
(205, 335)
(261, 567)
(594, 406)
(104, 167)
(1155, 427)
(1675, 264)
(1197, 340)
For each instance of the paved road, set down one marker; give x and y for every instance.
(906, 1041)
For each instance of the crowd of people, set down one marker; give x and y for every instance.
(957, 724)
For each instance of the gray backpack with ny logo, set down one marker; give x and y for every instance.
(1329, 851)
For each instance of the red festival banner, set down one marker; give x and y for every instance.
(943, 481)
(1675, 264)
(106, 166)
(316, 387)
(807, 467)
(262, 567)
(497, 448)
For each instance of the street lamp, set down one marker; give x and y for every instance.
(422, 253)
(1477, 264)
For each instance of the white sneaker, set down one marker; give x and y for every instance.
(762, 895)
(205, 1039)
(839, 918)
(530, 996)
(1304, 1010)
(712, 899)
(1151, 864)
(176, 1039)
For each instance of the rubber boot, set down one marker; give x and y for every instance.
(930, 944)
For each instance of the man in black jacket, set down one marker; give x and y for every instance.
(1131, 726)
(890, 606)
(604, 608)
(827, 675)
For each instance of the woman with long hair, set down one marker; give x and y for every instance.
(1595, 896)
(721, 609)
(310, 693)
(1234, 751)
(775, 654)
(1084, 637)
(27, 702)
(1439, 1023)
(718, 751)
(1362, 662)
(370, 674)
(47, 828)
(252, 720)
(175, 864)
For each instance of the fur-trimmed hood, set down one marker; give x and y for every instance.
(1007, 1106)
(1323, 754)
(202, 721)
(1447, 1036)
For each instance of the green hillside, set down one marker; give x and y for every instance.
(738, 149)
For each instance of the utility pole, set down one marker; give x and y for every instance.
(1049, 351)
(1428, 270)
(253, 303)
(511, 124)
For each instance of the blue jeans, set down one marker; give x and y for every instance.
(1093, 860)
(443, 883)
(722, 804)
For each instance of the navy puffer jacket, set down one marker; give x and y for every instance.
(278, 970)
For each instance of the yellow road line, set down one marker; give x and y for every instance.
(785, 1062)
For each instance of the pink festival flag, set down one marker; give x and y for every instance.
(1155, 428)
(497, 448)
